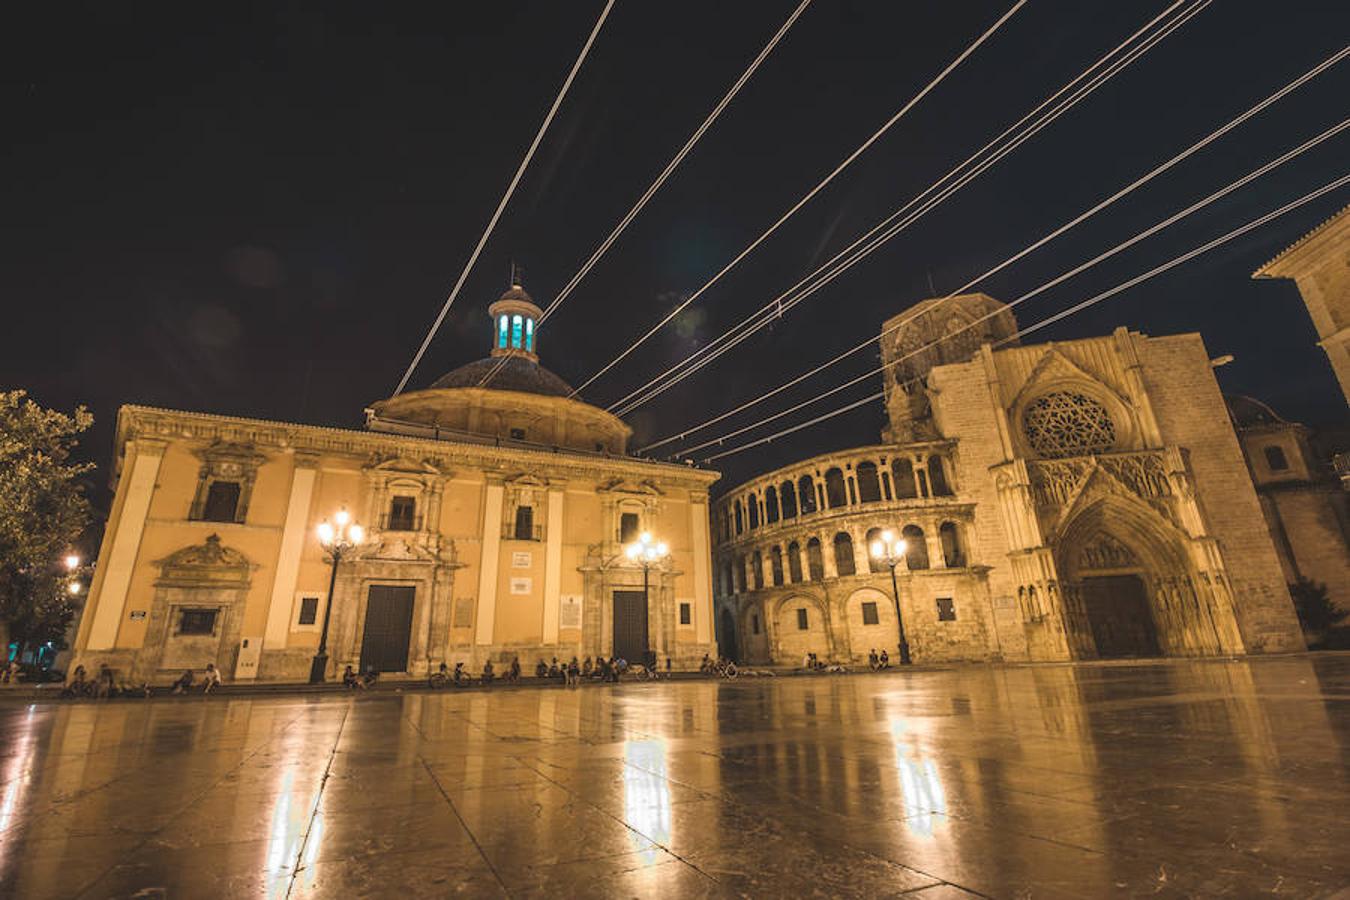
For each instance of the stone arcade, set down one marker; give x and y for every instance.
(1060, 501)
(496, 514)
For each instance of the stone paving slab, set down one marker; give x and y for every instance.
(1175, 779)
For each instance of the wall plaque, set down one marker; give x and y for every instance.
(521, 585)
(521, 559)
(569, 613)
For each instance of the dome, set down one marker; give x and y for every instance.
(1247, 412)
(517, 374)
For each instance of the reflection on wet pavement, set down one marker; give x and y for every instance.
(1170, 779)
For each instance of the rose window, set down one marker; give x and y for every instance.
(1067, 423)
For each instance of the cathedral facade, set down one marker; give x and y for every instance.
(497, 509)
(1072, 500)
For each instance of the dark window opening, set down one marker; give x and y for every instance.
(628, 527)
(517, 434)
(874, 565)
(686, 614)
(952, 554)
(794, 555)
(802, 624)
(815, 560)
(758, 574)
(1276, 459)
(937, 477)
(787, 497)
(902, 474)
(222, 502)
(776, 564)
(754, 624)
(844, 562)
(309, 611)
(946, 608)
(524, 523)
(197, 621)
(753, 503)
(806, 494)
(835, 493)
(869, 611)
(916, 550)
(771, 506)
(402, 512)
(869, 487)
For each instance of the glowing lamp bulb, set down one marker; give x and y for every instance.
(342, 517)
(325, 531)
(73, 588)
(900, 547)
(72, 561)
(632, 550)
(356, 533)
(878, 549)
(886, 536)
(662, 549)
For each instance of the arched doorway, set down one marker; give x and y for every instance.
(726, 637)
(1127, 587)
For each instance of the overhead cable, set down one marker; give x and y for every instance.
(807, 196)
(660, 179)
(777, 307)
(506, 197)
(1137, 183)
(1342, 181)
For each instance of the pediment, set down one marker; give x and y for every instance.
(207, 561)
(1053, 368)
(402, 465)
(625, 486)
(232, 451)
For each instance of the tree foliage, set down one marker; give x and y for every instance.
(1319, 616)
(43, 513)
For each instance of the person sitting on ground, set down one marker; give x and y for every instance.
(211, 680)
(872, 660)
(553, 671)
(488, 674)
(514, 673)
(107, 684)
(77, 686)
(620, 668)
(349, 679)
(459, 677)
(574, 672)
(371, 676)
(541, 670)
(884, 661)
(586, 668)
(705, 665)
(183, 683)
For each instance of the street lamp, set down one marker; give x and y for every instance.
(338, 538)
(891, 551)
(648, 553)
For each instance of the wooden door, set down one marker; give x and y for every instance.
(389, 612)
(630, 625)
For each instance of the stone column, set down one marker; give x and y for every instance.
(703, 604)
(553, 566)
(827, 557)
(487, 564)
(933, 539)
(293, 534)
(861, 554)
(110, 601)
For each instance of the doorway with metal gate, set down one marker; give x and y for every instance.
(630, 625)
(1118, 611)
(389, 615)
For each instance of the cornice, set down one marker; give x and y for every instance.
(1265, 270)
(779, 474)
(146, 422)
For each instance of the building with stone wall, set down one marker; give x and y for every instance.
(1306, 506)
(1069, 500)
(1319, 263)
(497, 514)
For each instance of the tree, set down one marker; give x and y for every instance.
(43, 512)
(1318, 615)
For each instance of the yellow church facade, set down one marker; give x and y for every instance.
(496, 506)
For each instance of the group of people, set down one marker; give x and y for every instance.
(814, 663)
(876, 662)
(106, 685)
(12, 673)
(721, 666)
(353, 681)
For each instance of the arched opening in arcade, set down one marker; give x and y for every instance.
(726, 637)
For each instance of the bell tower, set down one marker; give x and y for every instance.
(514, 318)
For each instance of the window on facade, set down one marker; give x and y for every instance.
(869, 488)
(1275, 458)
(794, 555)
(628, 527)
(309, 611)
(874, 565)
(776, 564)
(771, 505)
(222, 502)
(740, 518)
(835, 493)
(1068, 423)
(529, 335)
(738, 571)
(517, 434)
(843, 554)
(752, 503)
(524, 523)
(869, 613)
(937, 477)
(757, 562)
(517, 331)
(686, 614)
(754, 624)
(902, 475)
(946, 609)
(952, 554)
(815, 560)
(503, 329)
(197, 621)
(802, 623)
(806, 494)
(787, 497)
(916, 550)
(402, 513)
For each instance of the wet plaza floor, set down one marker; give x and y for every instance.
(1158, 780)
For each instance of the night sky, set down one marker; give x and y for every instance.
(258, 211)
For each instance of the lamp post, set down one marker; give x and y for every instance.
(648, 553)
(891, 551)
(338, 538)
